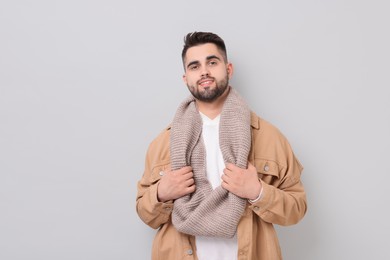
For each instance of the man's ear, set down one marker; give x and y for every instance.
(230, 70)
(184, 79)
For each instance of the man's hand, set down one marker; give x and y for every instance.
(175, 184)
(242, 182)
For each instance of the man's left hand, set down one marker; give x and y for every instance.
(242, 182)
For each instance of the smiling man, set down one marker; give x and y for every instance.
(204, 85)
(219, 177)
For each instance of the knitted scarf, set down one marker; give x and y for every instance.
(208, 212)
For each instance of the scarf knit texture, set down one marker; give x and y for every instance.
(208, 212)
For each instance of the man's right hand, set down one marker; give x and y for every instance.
(175, 184)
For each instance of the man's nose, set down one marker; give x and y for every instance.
(205, 71)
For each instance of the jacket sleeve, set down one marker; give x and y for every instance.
(149, 209)
(283, 200)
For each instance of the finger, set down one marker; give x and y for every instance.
(225, 186)
(191, 189)
(251, 166)
(230, 174)
(233, 167)
(189, 182)
(188, 175)
(184, 170)
(187, 190)
(230, 166)
(181, 171)
(226, 171)
(225, 178)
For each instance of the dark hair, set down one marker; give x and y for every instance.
(198, 38)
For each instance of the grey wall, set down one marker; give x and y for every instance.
(86, 85)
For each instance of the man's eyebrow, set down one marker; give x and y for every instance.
(212, 57)
(207, 58)
(192, 63)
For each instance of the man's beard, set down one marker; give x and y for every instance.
(210, 94)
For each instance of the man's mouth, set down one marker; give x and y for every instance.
(206, 82)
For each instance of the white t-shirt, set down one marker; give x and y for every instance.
(212, 248)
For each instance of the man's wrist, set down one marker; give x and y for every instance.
(159, 199)
(258, 197)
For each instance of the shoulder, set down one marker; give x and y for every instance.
(262, 128)
(162, 137)
(158, 149)
(268, 141)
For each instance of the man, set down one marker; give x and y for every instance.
(219, 177)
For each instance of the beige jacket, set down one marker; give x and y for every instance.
(283, 201)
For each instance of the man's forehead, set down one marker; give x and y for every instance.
(201, 52)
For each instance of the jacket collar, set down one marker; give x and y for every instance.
(255, 121)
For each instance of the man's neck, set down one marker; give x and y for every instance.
(212, 109)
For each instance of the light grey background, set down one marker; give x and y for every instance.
(86, 85)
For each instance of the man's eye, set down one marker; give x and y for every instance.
(193, 67)
(212, 63)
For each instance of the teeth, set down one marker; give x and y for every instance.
(206, 82)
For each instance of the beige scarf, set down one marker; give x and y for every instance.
(208, 212)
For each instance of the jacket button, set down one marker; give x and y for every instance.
(266, 168)
(189, 252)
(161, 173)
(256, 208)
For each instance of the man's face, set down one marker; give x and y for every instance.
(207, 74)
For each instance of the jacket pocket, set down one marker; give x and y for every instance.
(267, 170)
(158, 171)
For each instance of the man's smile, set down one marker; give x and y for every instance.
(205, 82)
